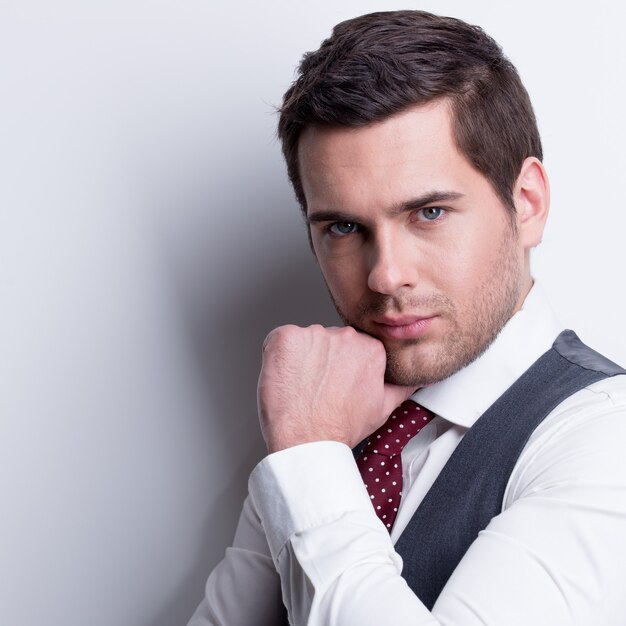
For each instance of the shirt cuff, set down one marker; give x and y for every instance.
(305, 486)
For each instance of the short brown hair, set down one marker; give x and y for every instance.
(376, 65)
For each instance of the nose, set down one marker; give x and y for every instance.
(392, 264)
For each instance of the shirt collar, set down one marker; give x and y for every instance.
(463, 397)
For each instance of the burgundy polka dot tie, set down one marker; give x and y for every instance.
(380, 463)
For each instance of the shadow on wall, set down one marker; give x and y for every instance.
(226, 314)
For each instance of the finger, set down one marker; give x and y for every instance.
(265, 342)
(394, 396)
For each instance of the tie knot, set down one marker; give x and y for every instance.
(403, 424)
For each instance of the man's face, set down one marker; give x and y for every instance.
(415, 246)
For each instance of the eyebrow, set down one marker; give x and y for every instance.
(414, 204)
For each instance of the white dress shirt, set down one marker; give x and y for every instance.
(555, 555)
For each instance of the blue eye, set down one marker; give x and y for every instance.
(431, 213)
(343, 228)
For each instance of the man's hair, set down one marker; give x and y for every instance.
(377, 65)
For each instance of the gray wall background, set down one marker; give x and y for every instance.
(149, 241)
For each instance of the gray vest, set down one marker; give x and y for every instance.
(469, 491)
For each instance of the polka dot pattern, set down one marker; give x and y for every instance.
(380, 463)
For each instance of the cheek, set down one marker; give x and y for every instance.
(468, 263)
(491, 259)
(343, 280)
(471, 263)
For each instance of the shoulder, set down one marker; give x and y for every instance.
(579, 442)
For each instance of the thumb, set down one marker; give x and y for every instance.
(394, 396)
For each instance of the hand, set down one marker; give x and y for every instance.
(320, 384)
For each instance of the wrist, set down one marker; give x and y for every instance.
(278, 442)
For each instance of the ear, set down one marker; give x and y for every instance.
(531, 196)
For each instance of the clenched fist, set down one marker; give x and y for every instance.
(321, 384)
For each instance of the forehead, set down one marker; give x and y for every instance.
(420, 124)
(382, 163)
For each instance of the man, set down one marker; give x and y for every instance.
(499, 495)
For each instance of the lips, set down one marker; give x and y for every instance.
(402, 326)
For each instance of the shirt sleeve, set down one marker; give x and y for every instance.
(334, 556)
(553, 557)
(244, 588)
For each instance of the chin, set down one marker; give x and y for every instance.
(420, 364)
(418, 377)
(411, 366)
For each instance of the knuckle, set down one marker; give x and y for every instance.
(376, 348)
(347, 334)
(279, 335)
(289, 330)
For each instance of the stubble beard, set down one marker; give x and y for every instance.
(469, 332)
